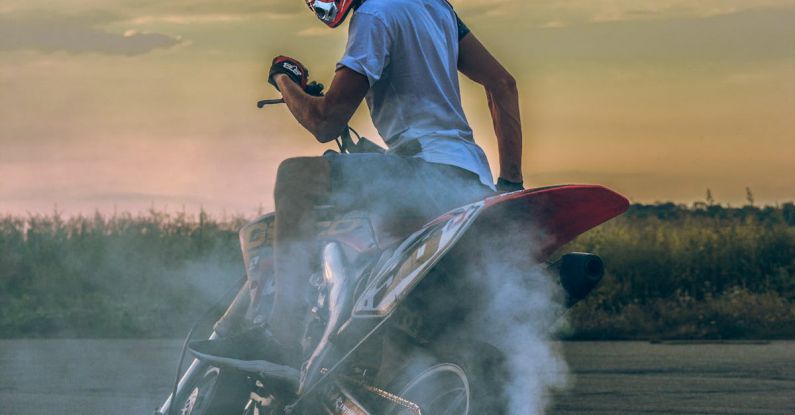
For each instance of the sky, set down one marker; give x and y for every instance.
(123, 105)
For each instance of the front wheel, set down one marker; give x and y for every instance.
(451, 379)
(215, 392)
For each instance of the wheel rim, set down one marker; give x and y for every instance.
(193, 404)
(441, 389)
(190, 402)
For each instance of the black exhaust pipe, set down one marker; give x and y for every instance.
(580, 273)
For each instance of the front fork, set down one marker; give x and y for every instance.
(231, 320)
(196, 368)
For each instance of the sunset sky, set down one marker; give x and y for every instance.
(128, 104)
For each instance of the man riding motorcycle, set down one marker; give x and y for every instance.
(402, 56)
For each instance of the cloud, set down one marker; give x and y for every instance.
(313, 32)
(188, 19)
(76, 35)
(213, 7)
(539, 13)
(747, 37)
(128, 9)
(63, 194)
(125, 197)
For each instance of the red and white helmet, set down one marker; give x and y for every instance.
(331, 12)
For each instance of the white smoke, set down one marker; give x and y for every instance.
(518, 303)
(519, 314)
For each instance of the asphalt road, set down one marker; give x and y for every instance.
(643, 378)
(133, 376)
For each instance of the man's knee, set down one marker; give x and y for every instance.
(302, 177)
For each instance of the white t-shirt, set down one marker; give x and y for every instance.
(408, 50)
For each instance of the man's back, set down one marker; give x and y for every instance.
(408, 50)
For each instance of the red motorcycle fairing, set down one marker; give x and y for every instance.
(556, 214)
(560, 213)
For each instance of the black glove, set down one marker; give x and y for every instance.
(315, 89)
(290, 67)
(506, 186)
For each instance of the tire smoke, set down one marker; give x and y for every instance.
(519, 310)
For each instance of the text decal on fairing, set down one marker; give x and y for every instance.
(412, 260)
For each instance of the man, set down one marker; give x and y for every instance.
(403, 57)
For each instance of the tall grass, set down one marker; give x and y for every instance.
(123, 275)
(673, 272)
(692, 272)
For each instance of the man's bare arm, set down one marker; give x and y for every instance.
(479, 65)
(325, 117)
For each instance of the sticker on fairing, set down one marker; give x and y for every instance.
(412, 260)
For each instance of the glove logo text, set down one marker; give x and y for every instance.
(292, 68)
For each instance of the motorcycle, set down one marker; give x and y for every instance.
(377, 336)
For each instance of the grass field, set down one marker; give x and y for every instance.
(692, 272)
(702, 271)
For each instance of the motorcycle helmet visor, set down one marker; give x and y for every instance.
(330, 12)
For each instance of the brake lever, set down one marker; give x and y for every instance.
(264, 102)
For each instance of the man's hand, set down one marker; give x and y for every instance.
(325, 116)
(315, 89)
(294, 70)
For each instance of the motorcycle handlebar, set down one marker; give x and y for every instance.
(264, 102)
(344, 141)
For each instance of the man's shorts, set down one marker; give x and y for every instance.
(398, 186)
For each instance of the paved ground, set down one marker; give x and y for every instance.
(131, 377)
(643, 378)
